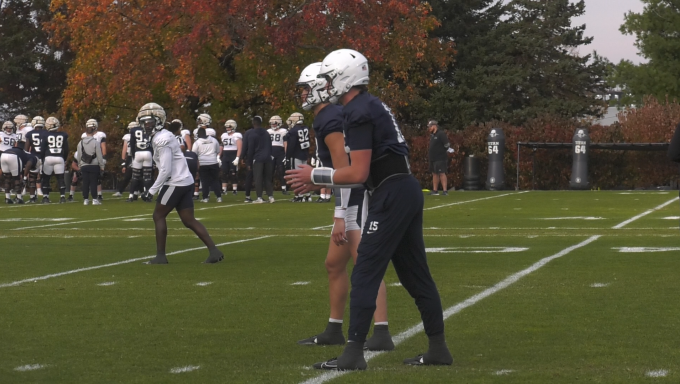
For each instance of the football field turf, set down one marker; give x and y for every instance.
(537, 287)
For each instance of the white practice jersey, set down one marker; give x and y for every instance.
(7, 141)
(172, 166)
(99, 135)
(207, 150)
(228, 142)
(185, 132)
(21, 134)
(126, 138)
(277, 136)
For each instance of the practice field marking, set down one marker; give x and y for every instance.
(475, 250)
(35, 279)
(643, 193)
(472, 201)
(30, 367)
(38, 219)
(646, 249)
(204, 283)
(671, 218)
(407, 334)
(643, 214)
(120, 217)
(504, 372)
(301, 283)
(572, 218)
(324, 227)
(395, 285)
(107, 284)
(188, 368)
(599, 285)
(657, 373)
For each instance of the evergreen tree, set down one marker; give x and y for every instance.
(656, 30)
(520, 63)
(32, 73)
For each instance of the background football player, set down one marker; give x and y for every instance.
(33, 145)
(277, 133)
(297, 148)
(8, 140)
(16, 165)
(54, 149)
(142, 161)
(230, 146)
(23, 127)
(126, 162)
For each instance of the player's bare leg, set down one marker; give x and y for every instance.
(160, 214)
(189, 221)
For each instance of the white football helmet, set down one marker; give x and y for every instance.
(181, 125)
(20, 120)
(133, 124)
(92, 123)
(203, 120)
(343, 69)
(151, 117)
(309, 78)
(8, 127)
(52, 124)
(230, 125)
(38, 122)
(275, 122)
(295, 119)
(210, 132)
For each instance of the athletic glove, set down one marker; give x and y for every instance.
(146, 196)
(219, 161)
(450, 150)
(235, 162)
(313, 161)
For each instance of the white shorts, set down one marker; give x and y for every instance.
(11, 164)
(54, 165)
(143, 159)
(297, 163)
(38, 169)
(351, 223)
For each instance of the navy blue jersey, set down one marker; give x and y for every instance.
(139, 141)
(192, 161)
(259, 146)
(34, 140)
(54, 144)
(370, 124)
(298, 142)
(244, 145)
(24, 156)
(329, 120)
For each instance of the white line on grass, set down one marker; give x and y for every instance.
(204, 283)
(106, 284)
(301, 283)
(643, 214)
(646, 249)
(30, 367)
(407, 334)
(472, 201)
(657, 373)
(188, 368)
(35, 279)
(323, 227)
(503, 372)
(115, 218)
(599, 285)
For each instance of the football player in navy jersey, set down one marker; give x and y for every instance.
(34, 145)
(345, 236)
(142, 162)
(394, 225)
(16, 165)
(54, 151)
(297, 148)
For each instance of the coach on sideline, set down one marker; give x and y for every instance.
(437, 155)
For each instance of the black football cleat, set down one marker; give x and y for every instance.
(285, 192)
(324, 338)
(425, 359)
(159, 259)
(33, 200)
(330, 365)
(19, 201)
(45, 200)
(70, 199)
(380, 341)
(9, 201)
(62, 200)
(215, 257)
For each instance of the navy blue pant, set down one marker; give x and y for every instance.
(393, 232)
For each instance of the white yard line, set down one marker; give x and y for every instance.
(34, 279)
(116, 218)
(643, 214)
(323, 227)
(407, 334)
(474, 200)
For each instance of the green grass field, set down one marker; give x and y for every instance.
(538, 287)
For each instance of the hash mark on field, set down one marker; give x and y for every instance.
(301, 283)
(323, 227)
(503, 372)
(572, 218)
(106, 284)
(646, 249)
(204, 283)
(472, 201)
(475, 250)
(671, 218)
(188, 368)
(30, 367)
(643, 214)
(599, 285)
(395, 285)
(657, 373)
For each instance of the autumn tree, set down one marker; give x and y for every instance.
(234, 58)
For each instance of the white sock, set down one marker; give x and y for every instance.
(381, 323)
(8, 196)
(332, 320)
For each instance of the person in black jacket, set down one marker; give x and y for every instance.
(674, 148)
(259, 157)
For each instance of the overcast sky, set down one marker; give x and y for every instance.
(603, 19)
